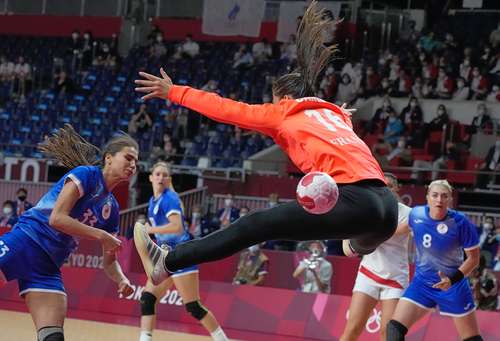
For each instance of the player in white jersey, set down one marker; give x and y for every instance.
(382, 276)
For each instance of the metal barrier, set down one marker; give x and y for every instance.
(253, 203)
(189, 199)
(35, 190)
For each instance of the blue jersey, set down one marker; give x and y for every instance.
(96, 207)
(440, 243)
(158, 212)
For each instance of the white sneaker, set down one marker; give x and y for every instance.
(347, 248)
(152, 256)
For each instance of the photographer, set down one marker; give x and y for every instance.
(315, 270)
(252, 266)
(140, 122)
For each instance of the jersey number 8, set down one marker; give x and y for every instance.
(427, 240)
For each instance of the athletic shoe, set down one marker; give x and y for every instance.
(347, 248)
(152, 256)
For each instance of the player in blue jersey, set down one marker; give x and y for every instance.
(441, 236)
(166, 222)
(79, 205)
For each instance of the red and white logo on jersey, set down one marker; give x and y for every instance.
(442, 228)
(106, 210)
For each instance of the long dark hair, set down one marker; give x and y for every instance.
(312, 55)
(71, 150)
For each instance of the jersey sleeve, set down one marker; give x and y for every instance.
(468, 235)
(264, 118)
(171, 205)
(82, 177)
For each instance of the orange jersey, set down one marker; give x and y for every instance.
(316, 135)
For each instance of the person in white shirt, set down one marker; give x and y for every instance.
(382, 276)
(262, 50)
(190, 47)
(463, 91)
(22, 70)
(6, 69)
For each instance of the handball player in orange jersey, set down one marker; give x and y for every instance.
(316, 135)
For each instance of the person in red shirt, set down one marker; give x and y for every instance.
(317, 136)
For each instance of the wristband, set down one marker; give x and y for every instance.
(456, 277)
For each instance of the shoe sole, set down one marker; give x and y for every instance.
(140, 241)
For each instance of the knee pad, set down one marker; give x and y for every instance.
(197, 310)
(148, 302)
(474, 338)
(395, 331)
(51, 334)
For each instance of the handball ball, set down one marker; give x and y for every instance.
(317, 192)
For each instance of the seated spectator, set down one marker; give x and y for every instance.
(371, 82)
(8, 217)
(481, 122)
(403, 84)
(87, 47)
(379, 119)
(196, 221)
(441, 162)
(315, 271)
(22, 74)
(158, 48)
(21, 205)
(402, 152)
(242, 58)
(416, 88)
(6, 69)
(75, 43)
(465, 70)
(494, 95)
(64, 84)
(411, 114)
(228, 213)
(252, 267)
(346, 92)
(189, 47)
(444, 84)
(273, 200)
(394, 129)
(261, 51)
(428, 42)
(289, 49)
(479, 84)
(440, 120)
(489, 247)
(495, 37)
(211, 86)
(463, 91)
(140, 122)
(380, 149)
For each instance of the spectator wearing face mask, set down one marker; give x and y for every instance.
(489, 247)
(252, 267)
(196, 222)
(440, 120)
(315, 271)
(463, 91)
(491, 164)
(481, 122)
(479, 84)
(494, 95)
(346, 92)
(228, 213)
(394, 129)
(8, 217)
(412, 113)
(22, 205)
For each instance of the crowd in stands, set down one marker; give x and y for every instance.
(12, 209)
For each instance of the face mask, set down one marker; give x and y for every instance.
(345, 80)
(392, 119)
(7, 210)
(228, 202)
(74, 35)
(196, 215)
(481, 111)
(385, 84)
(21, 197)
(315, 252)
(487, 226)
(460, 85)
(475, 73)
(253, 248)
(440, 111)
(413, 104)
(272, 203)
(495, 88)
(86, 36)
(466, 63)
(401, 144)
(159, 39)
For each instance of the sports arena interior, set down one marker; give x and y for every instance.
(423, 76)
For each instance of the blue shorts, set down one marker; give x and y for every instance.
(456, 301)
(22, 259)
(184, 271)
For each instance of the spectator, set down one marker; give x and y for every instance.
(196, 221)
(479, 84)
(428, 43)
(242, 58)
(8, 217)
(416, 88)
(463, 91)
(273, 200)
(228, 213)
(289, 49)
(252, 267)
(64, 84)
(379, 119)
(189, 47)
(412, 113)
(394, 129)
(315, 271)
(485, 288)
(261, 51)
(491, 164)
(88, 44)
(444, 85)
(211, 86)
(487, 225)
(495, 37)
(494, 95)
(441, 162)
(441, 119)
(380, 149)
(346, 92)
(140, 122)
(75, 43)
(482, 121)
(6, 69)
(158, 48)
(22, 73)
(371, 82)
(402, 152)
(21, 205)
(465, 70)
(181, 123)
(244, 211)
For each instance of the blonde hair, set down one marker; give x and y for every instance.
(443, 183)
(167, 166)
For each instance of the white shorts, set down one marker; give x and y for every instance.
(376, 290)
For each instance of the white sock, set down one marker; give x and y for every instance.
(146, 336)
(219, 335)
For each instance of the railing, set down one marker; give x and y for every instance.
(35, 190)
(253, 203)
(189, 199)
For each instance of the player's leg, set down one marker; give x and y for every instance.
(361, 307)
(188, 286)
(367, 213)
(467, 327)
(388, 307)
(148, 301)
(405, 315)
(48, 310)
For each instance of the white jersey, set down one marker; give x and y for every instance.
(388, 264)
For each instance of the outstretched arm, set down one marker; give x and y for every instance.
(264, 118)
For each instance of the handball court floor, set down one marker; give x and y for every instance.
(16, 325)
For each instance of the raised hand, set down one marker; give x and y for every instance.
(154, 86)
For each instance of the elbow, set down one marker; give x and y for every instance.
(54, 220)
